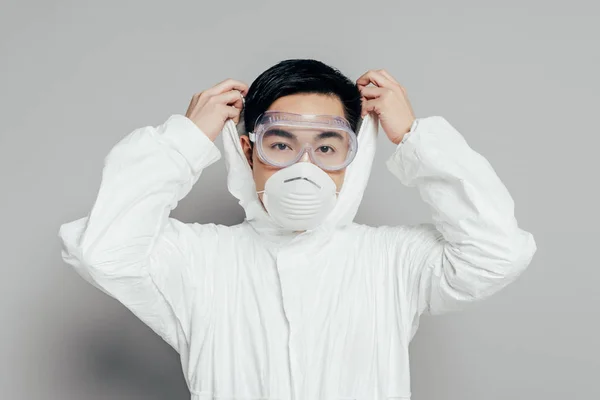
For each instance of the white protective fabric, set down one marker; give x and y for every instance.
(258, 313)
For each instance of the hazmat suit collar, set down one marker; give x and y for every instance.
(240, 183)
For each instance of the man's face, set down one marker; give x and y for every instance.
(298, 104)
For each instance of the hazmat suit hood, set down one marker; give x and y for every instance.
(240, 183)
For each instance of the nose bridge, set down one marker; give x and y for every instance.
(306, 154)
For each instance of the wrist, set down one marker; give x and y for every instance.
(403, 137)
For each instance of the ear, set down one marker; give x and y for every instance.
(247, 147)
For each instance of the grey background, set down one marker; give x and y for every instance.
(518, 78)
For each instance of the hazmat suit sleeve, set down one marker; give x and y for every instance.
(128, 246)
(474, 246)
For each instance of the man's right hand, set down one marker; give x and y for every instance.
(210, 109)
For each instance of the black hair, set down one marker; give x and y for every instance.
(301, 76)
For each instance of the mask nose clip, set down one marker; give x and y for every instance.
(303, 178)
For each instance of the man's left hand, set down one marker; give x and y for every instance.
(388, 99)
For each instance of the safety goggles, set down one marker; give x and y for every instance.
(283, 138)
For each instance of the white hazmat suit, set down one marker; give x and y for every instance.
(259, 313)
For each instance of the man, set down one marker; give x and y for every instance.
(296, 302)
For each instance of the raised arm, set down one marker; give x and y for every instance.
(474, 248)
(128, 246)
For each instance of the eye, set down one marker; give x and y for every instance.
(326, 149)
(280, 146)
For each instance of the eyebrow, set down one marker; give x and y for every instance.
(280, 133)
(330, 134)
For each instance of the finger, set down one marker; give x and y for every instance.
(391, 78)
(375, 78)
(388, 76)
(232, 112)
(372, 92)
(226, 86)
(362, 106)
(232, 98)
(239, 101)
(372, 106)
(193, 103)
(229, 84)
